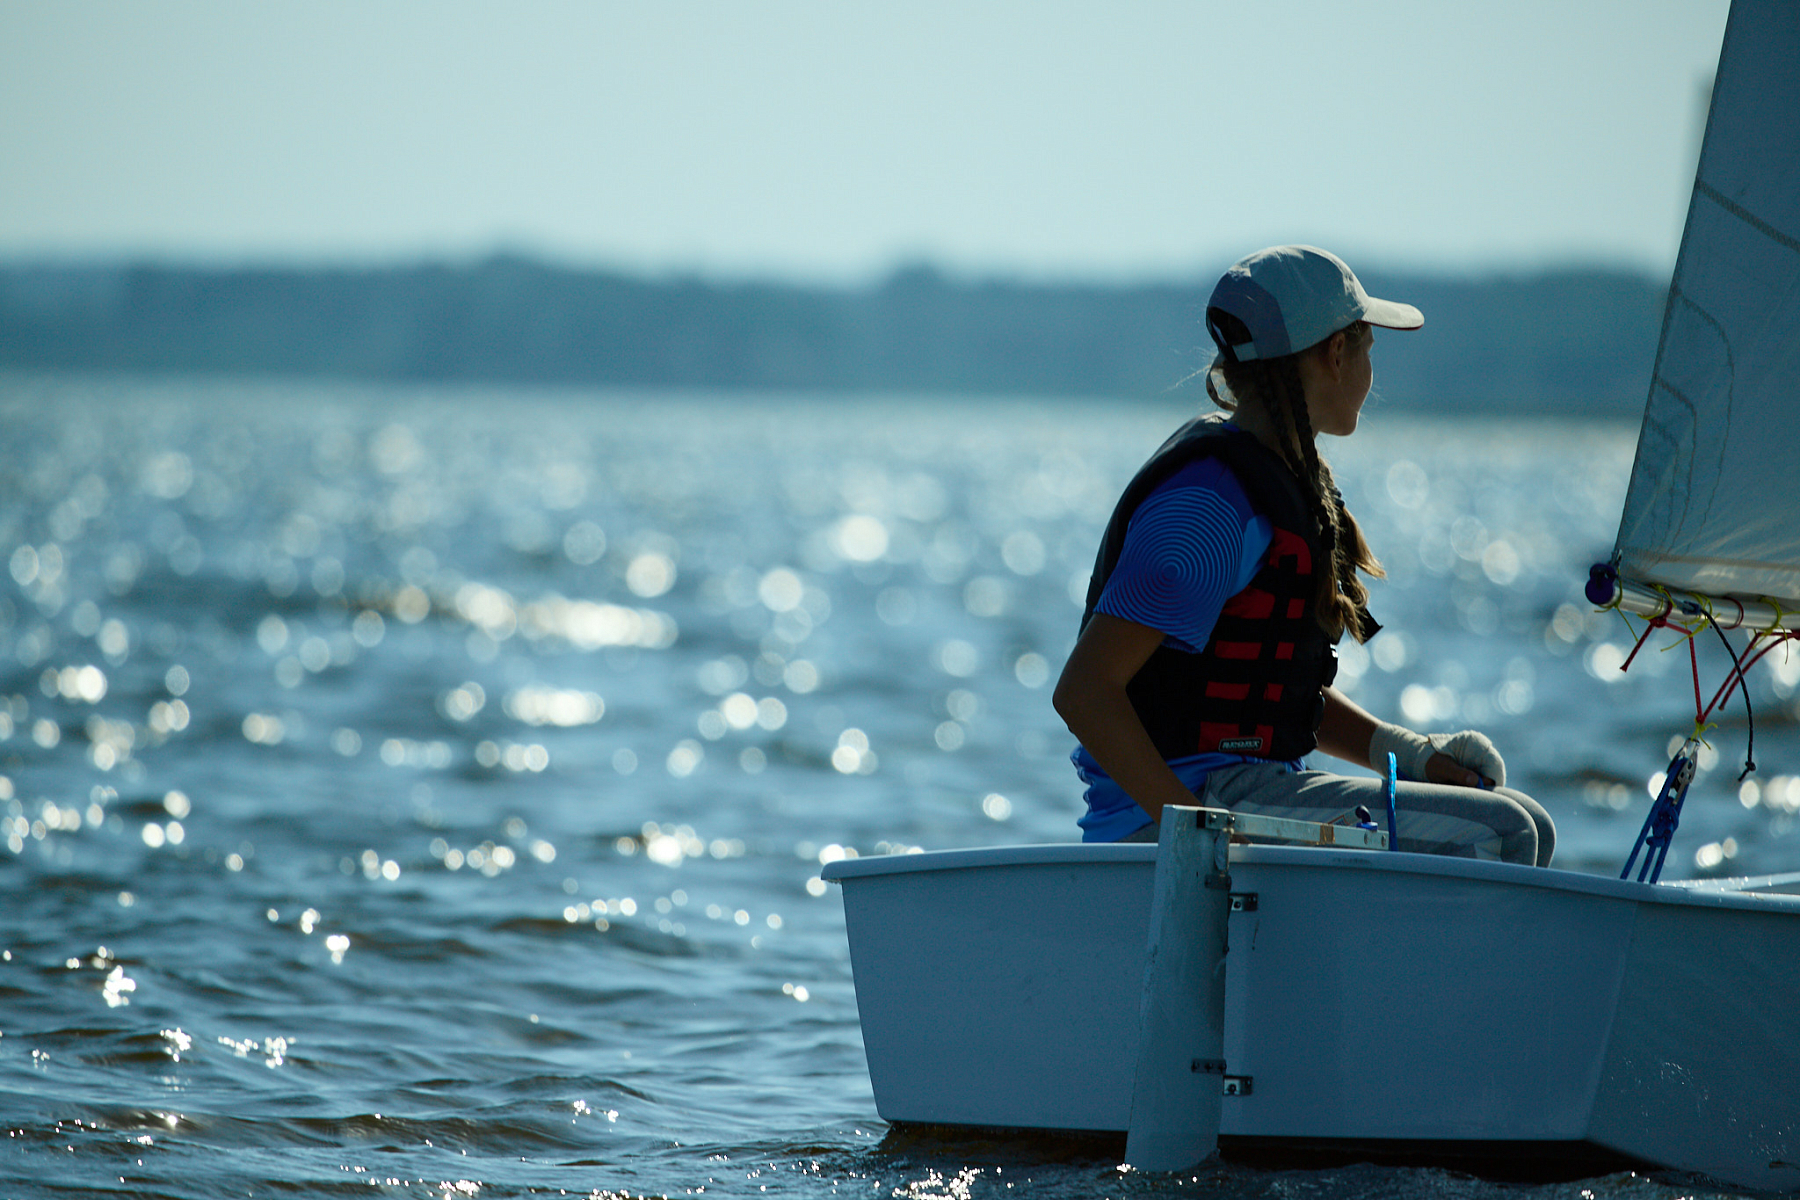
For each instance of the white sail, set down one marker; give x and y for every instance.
(1711, 506)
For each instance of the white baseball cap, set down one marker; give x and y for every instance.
(1282, 300)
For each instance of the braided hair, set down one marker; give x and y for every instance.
(1274, 385)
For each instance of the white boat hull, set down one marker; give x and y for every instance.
(1383, 1005)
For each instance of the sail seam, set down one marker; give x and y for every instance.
(1746, 216)
(1679, 298)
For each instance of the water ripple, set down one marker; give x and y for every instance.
(427, 790)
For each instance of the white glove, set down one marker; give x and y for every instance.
(1412, 751)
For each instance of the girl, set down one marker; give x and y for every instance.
(1226, 576)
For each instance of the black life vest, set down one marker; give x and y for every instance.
(1257, 686)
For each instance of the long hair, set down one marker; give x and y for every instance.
(1274, 385)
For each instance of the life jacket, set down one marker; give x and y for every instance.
(1257, 687)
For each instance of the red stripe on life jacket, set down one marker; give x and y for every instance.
(1253, 604)
(1287, 544)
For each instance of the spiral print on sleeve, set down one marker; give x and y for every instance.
(1181, 561)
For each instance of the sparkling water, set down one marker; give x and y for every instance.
(425, 791)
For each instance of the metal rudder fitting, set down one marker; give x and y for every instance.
(1182, 1077)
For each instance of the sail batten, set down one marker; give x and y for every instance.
(1710, 506)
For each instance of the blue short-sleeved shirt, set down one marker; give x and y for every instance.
(1193, 543)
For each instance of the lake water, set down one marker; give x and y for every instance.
(423, 793)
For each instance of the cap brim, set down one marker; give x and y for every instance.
(1391, 315)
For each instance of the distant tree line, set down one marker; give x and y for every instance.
(1579, 340)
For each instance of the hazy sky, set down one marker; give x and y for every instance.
(830, 140)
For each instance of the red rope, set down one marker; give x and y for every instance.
(1752, 656)
(1733, 678)
(1736, 676)
(1650, 626)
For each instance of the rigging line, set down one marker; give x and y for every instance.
(1783, 640)
(1694, 661)
(1688, 633)
(1651, 625)
(1753, 655)
(1740, 675)
(1735, 677)
(1749, 716)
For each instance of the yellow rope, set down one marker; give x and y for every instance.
(1625, 617)
(1775, 621)
(1691, 632)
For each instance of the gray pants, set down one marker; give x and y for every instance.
(1432, 818)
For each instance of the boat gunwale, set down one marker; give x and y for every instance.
(1737, 893)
